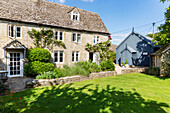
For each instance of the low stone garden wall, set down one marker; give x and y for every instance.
(135, 70)
(72, 79)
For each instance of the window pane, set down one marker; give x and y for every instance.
(61, 56)
(9, 30)
(56, 57)
(73, 56)
(78, 38)
(98, 39)
(74, 37)
(94, 40)
(56, 35)
(77, 56)
(61, 35)
(12, 31)
(18, 32)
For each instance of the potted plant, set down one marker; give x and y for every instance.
(126, 63)
(123, 64)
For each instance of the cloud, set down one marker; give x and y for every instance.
(120, 35)
(62, 1)
(87, 0)
(117, 40)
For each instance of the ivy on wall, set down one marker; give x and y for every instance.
(44, 39)
(102, 48)
(165, 61)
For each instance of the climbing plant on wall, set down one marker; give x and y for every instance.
(102, 48)
(165, 60)
(44, 38)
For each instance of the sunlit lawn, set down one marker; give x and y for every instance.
(127, 93)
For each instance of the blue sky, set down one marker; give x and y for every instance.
(119, 15)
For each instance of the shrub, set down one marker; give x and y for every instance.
(39, 54)
(126, 62)
(59, 72)
(47, 75)
(9, 109)
(123, 64)
(2, 88)
(37, 67)
(107, 65)
(154, 71)
(89, 66)
(75, 70)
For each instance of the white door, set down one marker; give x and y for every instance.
(15, 64)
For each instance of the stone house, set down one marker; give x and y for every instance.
(136, 49)
(161, 59)
(74, 26)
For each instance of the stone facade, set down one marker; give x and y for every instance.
(86, 37)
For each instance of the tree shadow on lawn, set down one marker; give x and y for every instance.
(67, 99)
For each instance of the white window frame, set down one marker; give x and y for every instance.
(20, 31)
(76, 14)
(76, 34)
(9, 30)
(58, 36)
(75, 53)
(95, 39)
(58, 53)
(145, 53)
(14, 31)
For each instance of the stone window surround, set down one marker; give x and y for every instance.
(58, 35)
(14, 31)
(76, 15)
(58, 53)
(75, 53)
(76, 37)
(96, 39)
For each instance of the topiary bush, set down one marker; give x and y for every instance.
(37, 67)
(107, 65)
(123, 64)
(126, 62)
(38, 54)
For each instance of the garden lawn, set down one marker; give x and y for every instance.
(126, 93)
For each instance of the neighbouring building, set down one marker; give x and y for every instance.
(74, 26)
(161, 59)
(113, 48)
(136, 49)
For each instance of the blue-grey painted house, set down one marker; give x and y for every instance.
(136, 49)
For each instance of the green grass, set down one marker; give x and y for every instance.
(126, 93)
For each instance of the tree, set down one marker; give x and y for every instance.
(163, 37)
(44, 38)
(102, 48)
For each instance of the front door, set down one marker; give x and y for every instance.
(15, 64)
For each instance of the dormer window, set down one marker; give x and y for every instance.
(75, 16)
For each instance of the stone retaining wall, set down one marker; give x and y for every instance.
(72, 79)
(134, 70)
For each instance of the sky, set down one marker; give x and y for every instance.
(119, 15)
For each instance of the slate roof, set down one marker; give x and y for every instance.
(161, 50)
(129, 48)
(49, 13)
(145, 38)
